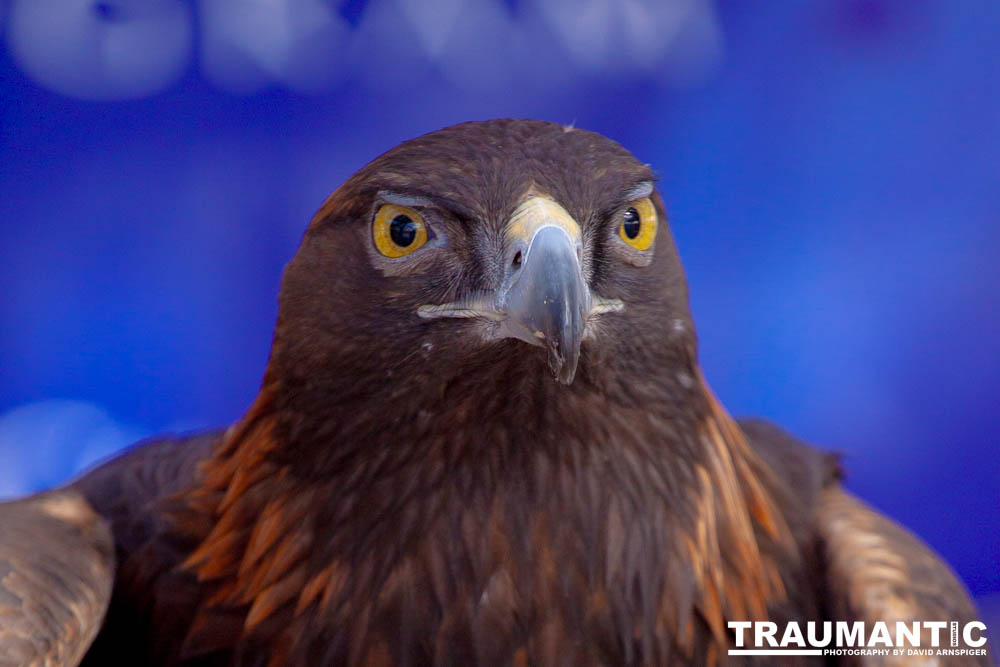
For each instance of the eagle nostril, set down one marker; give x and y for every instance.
(517, 260)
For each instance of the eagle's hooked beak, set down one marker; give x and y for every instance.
(544, 299)
(544, 296)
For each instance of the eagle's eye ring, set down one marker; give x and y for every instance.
(638, 224)
(397, 231)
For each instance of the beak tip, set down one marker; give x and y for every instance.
(566, 378)
(563, 369)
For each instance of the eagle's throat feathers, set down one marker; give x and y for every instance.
(273, 565)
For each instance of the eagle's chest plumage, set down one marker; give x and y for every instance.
(561, 565)
(555, 551)
(577, 558)
(467, 543)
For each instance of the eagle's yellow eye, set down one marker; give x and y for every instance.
(398, 230)
(638, 225)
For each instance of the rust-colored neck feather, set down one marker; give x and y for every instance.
(637, 545)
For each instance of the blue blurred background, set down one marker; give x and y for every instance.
(831, 169)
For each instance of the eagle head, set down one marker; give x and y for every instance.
(511, 251)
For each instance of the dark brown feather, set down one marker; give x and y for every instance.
(138, 494)
(502, 562)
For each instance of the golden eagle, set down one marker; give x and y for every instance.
(482, 438)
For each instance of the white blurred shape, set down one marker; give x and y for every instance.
(391, 53)
(698, 49)
(44, 443)
(635, 36)
(247, 44)
(116, 49)
(432, 21)
(479, 53)
(541, 60)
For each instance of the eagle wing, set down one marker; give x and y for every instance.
(56, 575)
(66, 556)
(876, 570)
(873, 568)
